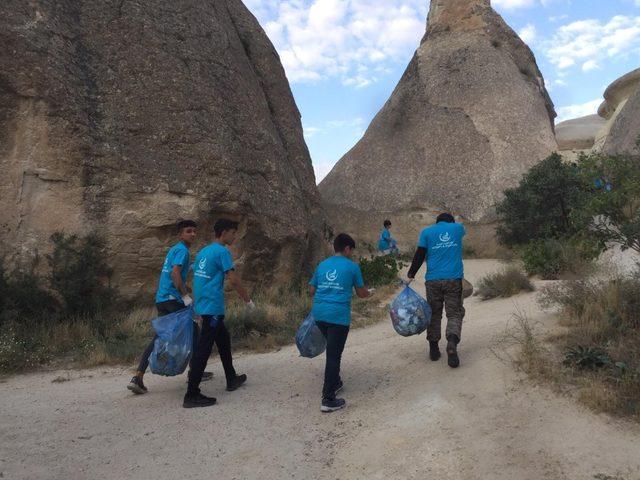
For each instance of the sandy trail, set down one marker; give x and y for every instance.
(406, 418)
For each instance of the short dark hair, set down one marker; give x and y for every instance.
(182, 224)
(343, 241)
(387, 223)
(223, 225)
(445, 217)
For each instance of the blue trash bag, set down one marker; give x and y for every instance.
(174, 344)
(410, 313)
(309, 339)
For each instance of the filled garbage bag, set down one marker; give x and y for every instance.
(410, 313)
(309, 339)
(174, 344)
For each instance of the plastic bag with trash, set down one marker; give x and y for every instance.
(309, 339)
(174, 344)
(410, 313)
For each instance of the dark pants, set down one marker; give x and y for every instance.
(164, 308)
(445, 294)
(336, 336)
(213, 330)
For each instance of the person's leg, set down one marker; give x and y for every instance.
(164, 308)
(336, 336)
(435, 297)
(201, 355)
(223, 342)
(454, 299)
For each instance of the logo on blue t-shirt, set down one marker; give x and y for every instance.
(332, 276)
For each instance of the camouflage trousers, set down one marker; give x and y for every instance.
(441, 295)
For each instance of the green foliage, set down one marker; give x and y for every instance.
(503, 284)
(551, 258)
(80, 274)
(381, 270)
(586, 357)
(613, 209)
(22, 298)
(541, 206)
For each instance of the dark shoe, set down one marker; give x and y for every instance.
(339, 387)
(332, 405)
(236, 382)
(137, 386)
(206, 376)
(434, 351)
(452, 354)
(197, 401)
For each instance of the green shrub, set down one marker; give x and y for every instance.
(507, 283)
(586, 357)
(542, 205)
(552, 258)
(381, 270)
(80, 274)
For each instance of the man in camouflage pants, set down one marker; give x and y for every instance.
(441, 246)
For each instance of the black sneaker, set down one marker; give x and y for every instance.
(452, 354)
(206, 376)
(236, 382)
(332, 405)
(340, 386)
(137, 386)
(197, 401)
(434, 351)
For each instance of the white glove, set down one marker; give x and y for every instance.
(251, 305)
(371, 291)
(187, 300)
(406, 280)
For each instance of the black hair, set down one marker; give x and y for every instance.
(445, 217)
(343, 241)
(223, 225)
(182, 224)
(387, 223)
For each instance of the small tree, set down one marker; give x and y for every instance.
(80, 274)
(613, 209)
(541, 206)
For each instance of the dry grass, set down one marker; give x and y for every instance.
(507, 283)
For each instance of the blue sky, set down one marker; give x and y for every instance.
(343, 58)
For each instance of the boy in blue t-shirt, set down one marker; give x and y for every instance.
(332, 287)
(441, 246)
(213, 265)
(172, 294)
(387, 244)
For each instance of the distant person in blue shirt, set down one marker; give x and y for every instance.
(332, 287)
(213, 265)
(387, 244)
(441, 246)
(172, 293)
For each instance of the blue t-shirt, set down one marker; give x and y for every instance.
(385, 240)
(443, 242)
(334, 280)
(178, 255)
(209, 270)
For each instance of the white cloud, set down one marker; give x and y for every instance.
(356, 122)
(513, 4)
(586, 42)
(322, 168)
(351, 40)
(576, 111)
(528, 34)
(310, 132)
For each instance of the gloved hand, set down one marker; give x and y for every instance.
(187, 300)
(251, 305)
(371, 291)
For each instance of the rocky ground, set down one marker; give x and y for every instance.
(406, 418)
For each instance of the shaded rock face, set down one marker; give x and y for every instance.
(470, 115)
(122, 116)
(621, 110)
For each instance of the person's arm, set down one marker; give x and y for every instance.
(312, 290)
(176, 278)
(358, 283)
(236, 283)
(363, 292)
(418, 260)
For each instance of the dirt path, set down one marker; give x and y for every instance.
(407, 418)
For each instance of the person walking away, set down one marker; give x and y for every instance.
(172, 294)
(441, 246)
(213, 265)
(387, 244)
(332, 287)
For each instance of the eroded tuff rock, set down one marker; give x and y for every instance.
(621, 110)
(470, 115)
(121, 116)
